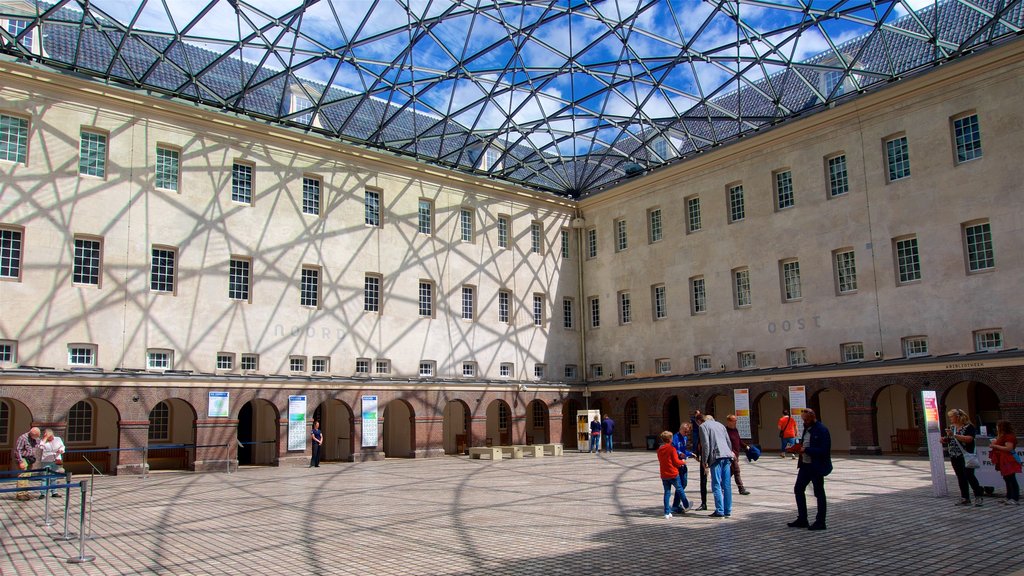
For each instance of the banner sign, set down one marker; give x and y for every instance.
(934, 440)
(297, 423)
(797, 404)
(217, 405)
(369, 421)
(741, 400)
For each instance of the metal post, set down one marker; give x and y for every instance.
(66, 536)
(81, 558)
(145, 459)
(47, 521)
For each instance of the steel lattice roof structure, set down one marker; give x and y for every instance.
(564, 96)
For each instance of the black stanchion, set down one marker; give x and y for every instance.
(82, 557)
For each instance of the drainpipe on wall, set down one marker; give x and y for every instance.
(578, 224)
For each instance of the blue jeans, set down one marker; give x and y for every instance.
(720, 472)
(787, 442)
(593, 442)
(607, 440)
(667, 484)
(682, 491)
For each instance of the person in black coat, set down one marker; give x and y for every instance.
(813, 464)
(695, 421)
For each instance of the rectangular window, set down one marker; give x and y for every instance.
(698, 297)
(660, 302)
(362, 366)
(505, 370)
(908, 262)
(596, 371)
(852, 351)
(539, 371)
(783, 190)
(978, 241)
(239, 279)
(382, 367)
(628, 368)
(693, 214)
(81, 355)
(309, 287)
(791, 289)
(92, 154)
(86, 268)
(564, 235)
(654, 225)
(426, 368)
(241, 183)
(468, 369)
(797, 356)
(663, 366)
(371, 208)
(838, 179)
(990, 340)
(167, 167)
(746, 360)
(591, 242)
(225, 361)
(741, 287)
(504, 299)
(158, 359)
(625, 308)
(538, 309)
(311, 195)
(13, 139)
(425, 217)
(426, 300)
(10, 253)
(503, 231)
(595, 312)
(568, 321)
(702, 363)
(8, 356)
(160, 422)
(621, 240)
(468, 302)
(250, 362)
(536, 235)
(18, 26)
(297, 363)
(571, 372)
(466, 224)
(737, 204)
(915, 346)
(897, 158)
(162, 269)
(371, 293)
(320, 365)
(846, 271)
(967, 136)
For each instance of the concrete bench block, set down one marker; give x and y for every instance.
(552, 449)
(494, 453)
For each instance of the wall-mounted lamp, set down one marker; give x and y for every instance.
(135, 398)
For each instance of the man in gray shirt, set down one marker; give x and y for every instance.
(716, 457)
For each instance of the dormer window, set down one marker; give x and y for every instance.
(296, 100)
(15, 26)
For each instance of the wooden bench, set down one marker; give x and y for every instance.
(168, 458)
(551, 449)
(536, 451)
(906, 440)
(493, 452)
(76, 463)
(514, 451)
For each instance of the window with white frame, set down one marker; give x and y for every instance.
(505, 370)
(79, 430)
(167, 169)
(852, 351)
(797, 356)
(503, 230)
(539, 371)
(425, 217)
(654, 225)
(225, 361)
(160, 422)
(693, 223)
(625, 308)
(967, 138)
(309, 287)
(13, 139)
(320, 365)
(914, 346)
(239, 278)
(698, 296)
(162, 270)
(596, 371)
(466, 224)
(241, 183)
(663, 366)
(783, 190)
(426, 368)
(504, 300)
(92, 154)
(838, 179)
(468, 302)
(159, 359)
(371, 293)
(908, 261)
(591, 242)
(702, 363)
(568, 318)
(86, 262)
(571, 372)
(297, 363)
(16, 26)
(311, 195)
(10, 253)
(746, 360)
(503, 416)
(468, 369)
(250, 362)
(846, 271)
(988, 340)
(791, 288)
(8, 352)
(371, 208)
(362, 366)
(382, 367)
(595, 312)
(81, 354)
(536, 237)
(978, 243)
(628, 368)
(660, 301)
(741, 287)
(621, 239)
(564, 235)
(737, 203)
(426, 299)
(538, 309)
(897, 157)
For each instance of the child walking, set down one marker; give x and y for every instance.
(670, 463)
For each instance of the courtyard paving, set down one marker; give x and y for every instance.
(578, 514)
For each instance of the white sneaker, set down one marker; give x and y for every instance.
(667, 516)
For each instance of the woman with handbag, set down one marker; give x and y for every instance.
(959, 442)
(1004, 458)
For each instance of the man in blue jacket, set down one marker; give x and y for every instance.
(607, 432)
(814, 463)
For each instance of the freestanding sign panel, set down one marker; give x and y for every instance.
(369, 421)
(933, 435)
(797, 404)
(741, 399)
(296, 423)
(217, 405)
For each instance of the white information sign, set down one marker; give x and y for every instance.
(741, 400)
(797, 404)
(297, 423)
(217, 405)
(933, 437)
(369, 421)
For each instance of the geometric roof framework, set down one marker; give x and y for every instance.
(565, 96)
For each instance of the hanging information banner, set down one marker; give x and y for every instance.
(369, 421)
(741, 399)
(297, 423)
(797, 404)
(217, 405)
(930, 402)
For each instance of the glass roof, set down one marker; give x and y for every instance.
(565, 96)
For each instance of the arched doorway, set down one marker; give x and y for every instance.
(893, 410)
(635, 424)
(830, 405)
(457, 429)
(257, 433)
(398, 430)
(537, 422)
(499, 423)
(172, 423)
(720, 406)
(92, 429)
(569, 410)
(336, 423)
(15, 420)
(764, 421)
(977, 399)
(676, 411)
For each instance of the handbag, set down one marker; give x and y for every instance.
(971, 459)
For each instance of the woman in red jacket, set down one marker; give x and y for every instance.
(670, 463)
(1003, 448)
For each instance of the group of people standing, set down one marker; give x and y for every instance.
(959, 442)
(38, 450)
(601, 431)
